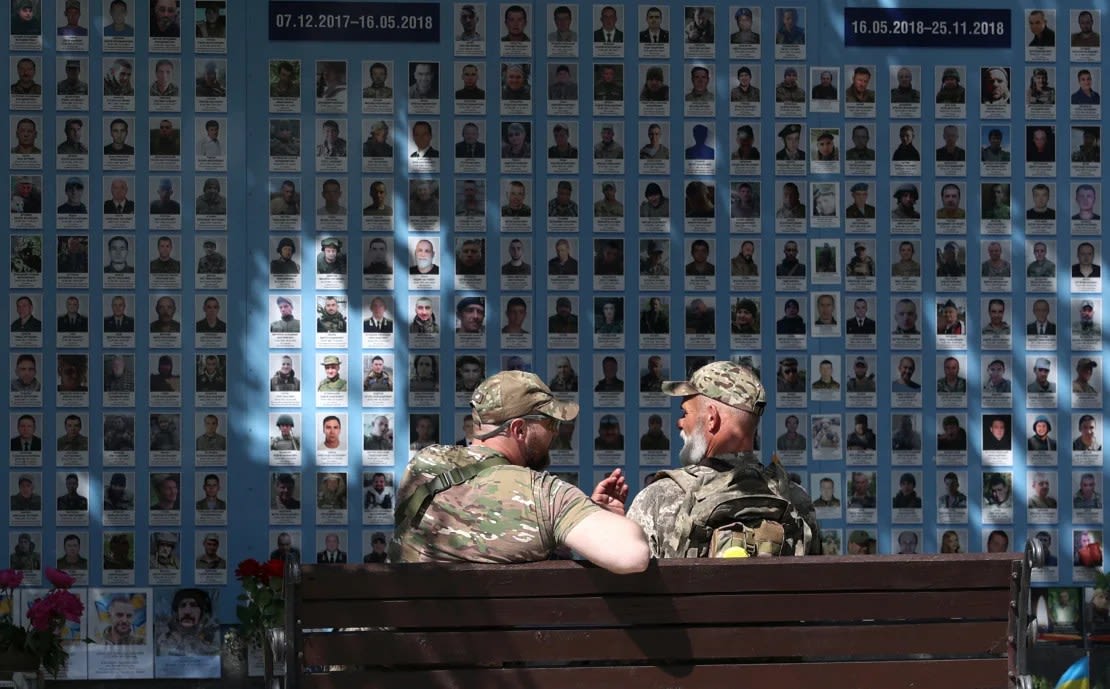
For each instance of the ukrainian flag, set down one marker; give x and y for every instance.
(1078, 676)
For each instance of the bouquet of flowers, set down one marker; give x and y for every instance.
(40, 643)
(261, 603)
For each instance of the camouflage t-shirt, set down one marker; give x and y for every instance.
(507, 514)
(656, 507)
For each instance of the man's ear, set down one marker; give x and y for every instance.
(713, 420)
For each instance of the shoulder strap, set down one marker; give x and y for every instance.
(677, 541)
(412, 510)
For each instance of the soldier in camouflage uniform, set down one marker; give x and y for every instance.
(443, 517)
(722, 403)
(332, 381)
(212, 262)
(331, 319)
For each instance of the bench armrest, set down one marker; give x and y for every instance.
(1023, 625)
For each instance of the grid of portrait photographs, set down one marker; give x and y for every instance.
(837, 233)
(883, 400)
(118, 392)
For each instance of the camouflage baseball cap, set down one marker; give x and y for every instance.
(723, 381)
(513, 394)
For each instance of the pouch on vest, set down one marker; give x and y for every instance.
(738, 513)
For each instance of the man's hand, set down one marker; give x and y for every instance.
(611, 493)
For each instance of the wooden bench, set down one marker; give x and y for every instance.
(867, 622)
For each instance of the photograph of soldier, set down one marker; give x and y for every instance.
(1085, 198)
(210, 440)
(655, 149)
(378, 435)
(953, 438)
(1086, 37)
(906, 438)
(379, 87)
(565, 378)
(996, 382)
(1085, 267)
(791, 322)
(745, 318)
(951, 261)
(996, 432)
(860, 151)
(654, 317)
(25, 71)
(332, 381)
(1085, 325)
(26, 378)
(25, 555)
(119, 552)
(1040, 144)
(652, 379)
(789, 32)
(951, 203)
(1040, 497)
(1040, 91)
(163, 550)
(74, 127)
(609, 82)
(1085, 94)
(211, 558)
(859, 90)
(425, 431)
(26, 132)
(72, 440)
(655, 90)
(27, 195)
(995, 85)
(906, 151)
(515, 82)
(25, 499)
(188, 627)
(72, 559)
(1089, 150)
(25, 321)
(562, 206)
(285, 440)
(993, 152)
(26, 18)
(790, 206)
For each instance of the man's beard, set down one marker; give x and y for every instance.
(538, 458)
(694, 447)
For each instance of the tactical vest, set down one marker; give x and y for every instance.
(448, 473)
(743, 512)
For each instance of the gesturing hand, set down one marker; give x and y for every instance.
(611, 492)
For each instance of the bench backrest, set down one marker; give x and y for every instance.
(920, 620)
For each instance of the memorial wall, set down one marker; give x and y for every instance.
(260, 254)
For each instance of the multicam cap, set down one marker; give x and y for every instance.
(512, 394)
(165, 537)
(723, 381)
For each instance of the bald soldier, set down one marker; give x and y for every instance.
(721, 405)
(492, 502)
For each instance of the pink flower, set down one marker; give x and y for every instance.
(56, 605)
(67, 605)
(40, 613)
(59, 579)
(10, 578)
